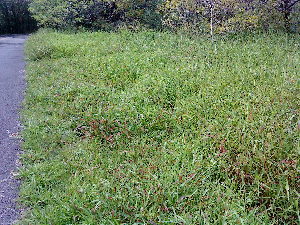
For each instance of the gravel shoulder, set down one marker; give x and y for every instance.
(12, 85)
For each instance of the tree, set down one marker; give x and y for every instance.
(15, 17)
(212, 16)
(94, 14)
(229, 15)
(286, 7)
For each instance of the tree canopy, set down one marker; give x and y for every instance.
(219, 16)
(15, 17)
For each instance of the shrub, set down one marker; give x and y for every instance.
(95, 14)
(217, 16)
(230, 15)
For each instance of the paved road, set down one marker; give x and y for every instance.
(12, 86)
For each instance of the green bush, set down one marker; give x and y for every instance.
(215, 16)
(95, 14)
(223, 16)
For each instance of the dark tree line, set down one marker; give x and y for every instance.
(214, 16)
(286, 7)
(206, 15)
(96, 14)
(15, 17)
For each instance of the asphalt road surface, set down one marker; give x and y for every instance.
(12, 86)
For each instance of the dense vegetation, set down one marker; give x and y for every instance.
(15, 17)
(95, 14)
(157, 128)
(214, 16)
(200, 16)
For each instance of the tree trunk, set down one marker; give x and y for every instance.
(286, 14)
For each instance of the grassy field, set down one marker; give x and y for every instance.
(158, 128)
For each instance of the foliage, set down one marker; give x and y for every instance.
(230, 15)
(15, 17)
(143, 12)
(155, 128)
(73, 13)
(94, 14)
(215, 16)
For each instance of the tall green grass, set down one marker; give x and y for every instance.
(158, 128)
